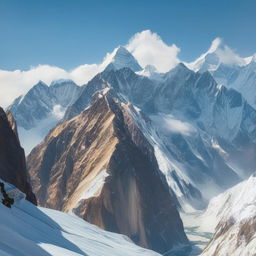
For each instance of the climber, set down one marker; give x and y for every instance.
(7, 201)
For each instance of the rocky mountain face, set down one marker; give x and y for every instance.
(199, 130)
(12, 157)
(100, 166)
(232, 216)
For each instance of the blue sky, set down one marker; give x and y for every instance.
(68, 33)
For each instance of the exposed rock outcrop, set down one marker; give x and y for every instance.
(100, 166)
(12, 157)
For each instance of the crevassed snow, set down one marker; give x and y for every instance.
(27, 230)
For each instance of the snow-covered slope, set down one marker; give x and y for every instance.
(229, 69)
(241, 78)
(122, 58)
(232, 215)
(217, 54)
(29, 230)
(41, 100)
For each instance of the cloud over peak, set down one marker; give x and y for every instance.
(149, 49)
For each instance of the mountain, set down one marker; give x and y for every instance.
(122, 58)
(12, 157)
(202, 129)
(30, 230)
(100, 166)
(241, 78)
(211, 128)
(40, 101)
(229, 69)
(232, 215)
(216, 55)
(41, 109)
(44, 106)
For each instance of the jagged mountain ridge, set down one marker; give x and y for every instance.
(39, 102)
(103, 167)
(221, 116)
(222, 119)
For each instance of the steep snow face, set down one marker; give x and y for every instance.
(41, 100)
(30, 230)
(122, 58)
(232, 215)
(241, 78)
(229, 69)
(217, 54)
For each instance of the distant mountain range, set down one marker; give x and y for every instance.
(133, 146)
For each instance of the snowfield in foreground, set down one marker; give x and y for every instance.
(30, 230)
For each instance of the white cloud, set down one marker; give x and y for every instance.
(178, 126)
(16, 83)
(169, 123)
(149, 49)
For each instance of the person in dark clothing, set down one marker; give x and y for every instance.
(7, 201)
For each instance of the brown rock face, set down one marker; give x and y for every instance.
(12, 157)
(100, 166)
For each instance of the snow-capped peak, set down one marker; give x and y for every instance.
(121, 58)
(217, 54)
(40, 83)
